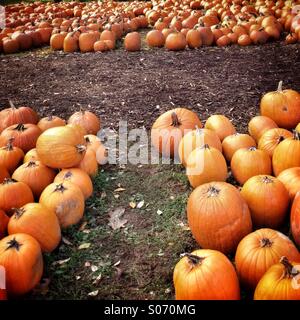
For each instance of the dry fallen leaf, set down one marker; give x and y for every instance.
(115, 218)
(159, 212)
(117, 196)
(87, 264)
(94, 268)
(132, 204)
(117, 263)
(98, 279)
(93, 293)
(119, 189)
(140, 204)
(60, 262)
(82, 227)
(66, 241)
(84, 246)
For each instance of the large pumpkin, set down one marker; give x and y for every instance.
(249, 162)
(78, 177)
(66, 200)
(235, 142)
(291, 180)
(221, 125)
(36, 175)
(21, 256)
(271, 139)
(295, 218)
(61, 147)
(280, 282)
(287, 154)
(39, 222)
(205, 275)
(3, 223)
(267, 199)
(170, 127)
(258, 251)
(10, 156)
(218, 216)
(197, 138)
(86, 119)
(259, 125)
(283, 106)
(14, 194)
(205, 164)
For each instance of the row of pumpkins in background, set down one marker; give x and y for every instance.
(94, 26)
(37, 200)
(221, 217)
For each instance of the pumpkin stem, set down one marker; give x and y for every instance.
(50, 118)
(205, 146)
(60, 188)
(18, 212)
(213, 191)
(9, 181)
(280, 139)
(13, 244)
(20, 127)
(280, 86)
(267, 179)
(290, 271)
(175, 120)
(265, 242)
(296, 135)
(81, 148)
(9, 146)
(31, 164)
(252, 149)
(11, 104)
(193, 259)
(87, 140)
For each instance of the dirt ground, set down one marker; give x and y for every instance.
(137, 261)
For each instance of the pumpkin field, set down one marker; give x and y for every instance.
(215, 87)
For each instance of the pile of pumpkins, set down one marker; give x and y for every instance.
(96, 26)
(46, 170)
(241, 219)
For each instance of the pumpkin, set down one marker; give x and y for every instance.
(21, 256)
(295, 218)
(31, 155)
(23, 136)
(235, 142)
(66, 200)
(259, 125)
(280, 282)
(77, 177)
(218, 216)
(201, 274)
(86, 41)
(70, 44)
(39, 222)
(50, 122)
(10, 45)
(10, 156)
(221, 125)
(100, 46)
(267, 199)
(57, 41)
(175, 41)
(3, 223)
(197, 138)
(36, 175)
(108, 35)
(132, 41)
(193, 39)
(207, 36)
(86, 119)
(15, 115)
(283, 106)
(249, 162)
(205, 164)
(244, 40)
(258, 251)
(287, 154)
(89, 163)
(92, 142)
(271, 138)
(170, 127)
(67, 147)
(14, 194)
(23, 39)
(291, 180)
(155, 38)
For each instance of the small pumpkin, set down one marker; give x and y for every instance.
(193, 39)
(212, 224)
(235, 142)
(170, 127)
(249, 162)
(271, 138)
(258, 251)
(66, 200)
(282, 106)
(175, 41)
(50, 122)
(57, 41)
(10, 156)
(221, 125)
(36, 175)
(155, 38)
(132, 41)
(21, 256)
(14, 194)
(259, 125)
(200, 275)
(267, 199)
(205, 164)
(86, 119)
(67, 147)
(291, 180)
(280, 282)
(39, 222)
(295, 219)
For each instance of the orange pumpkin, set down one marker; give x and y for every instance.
(57, 41)
(86, 119)
(10, 156)
(175, 41)
(259, 125)
(212, 224)
(155, 38)
(50, 122)
(89, 163)
(295, 219)
(291, 180)
(132, 41)
(199, 275)
(221, 125)
(193, 39)
(258, 251)
(39, 222)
